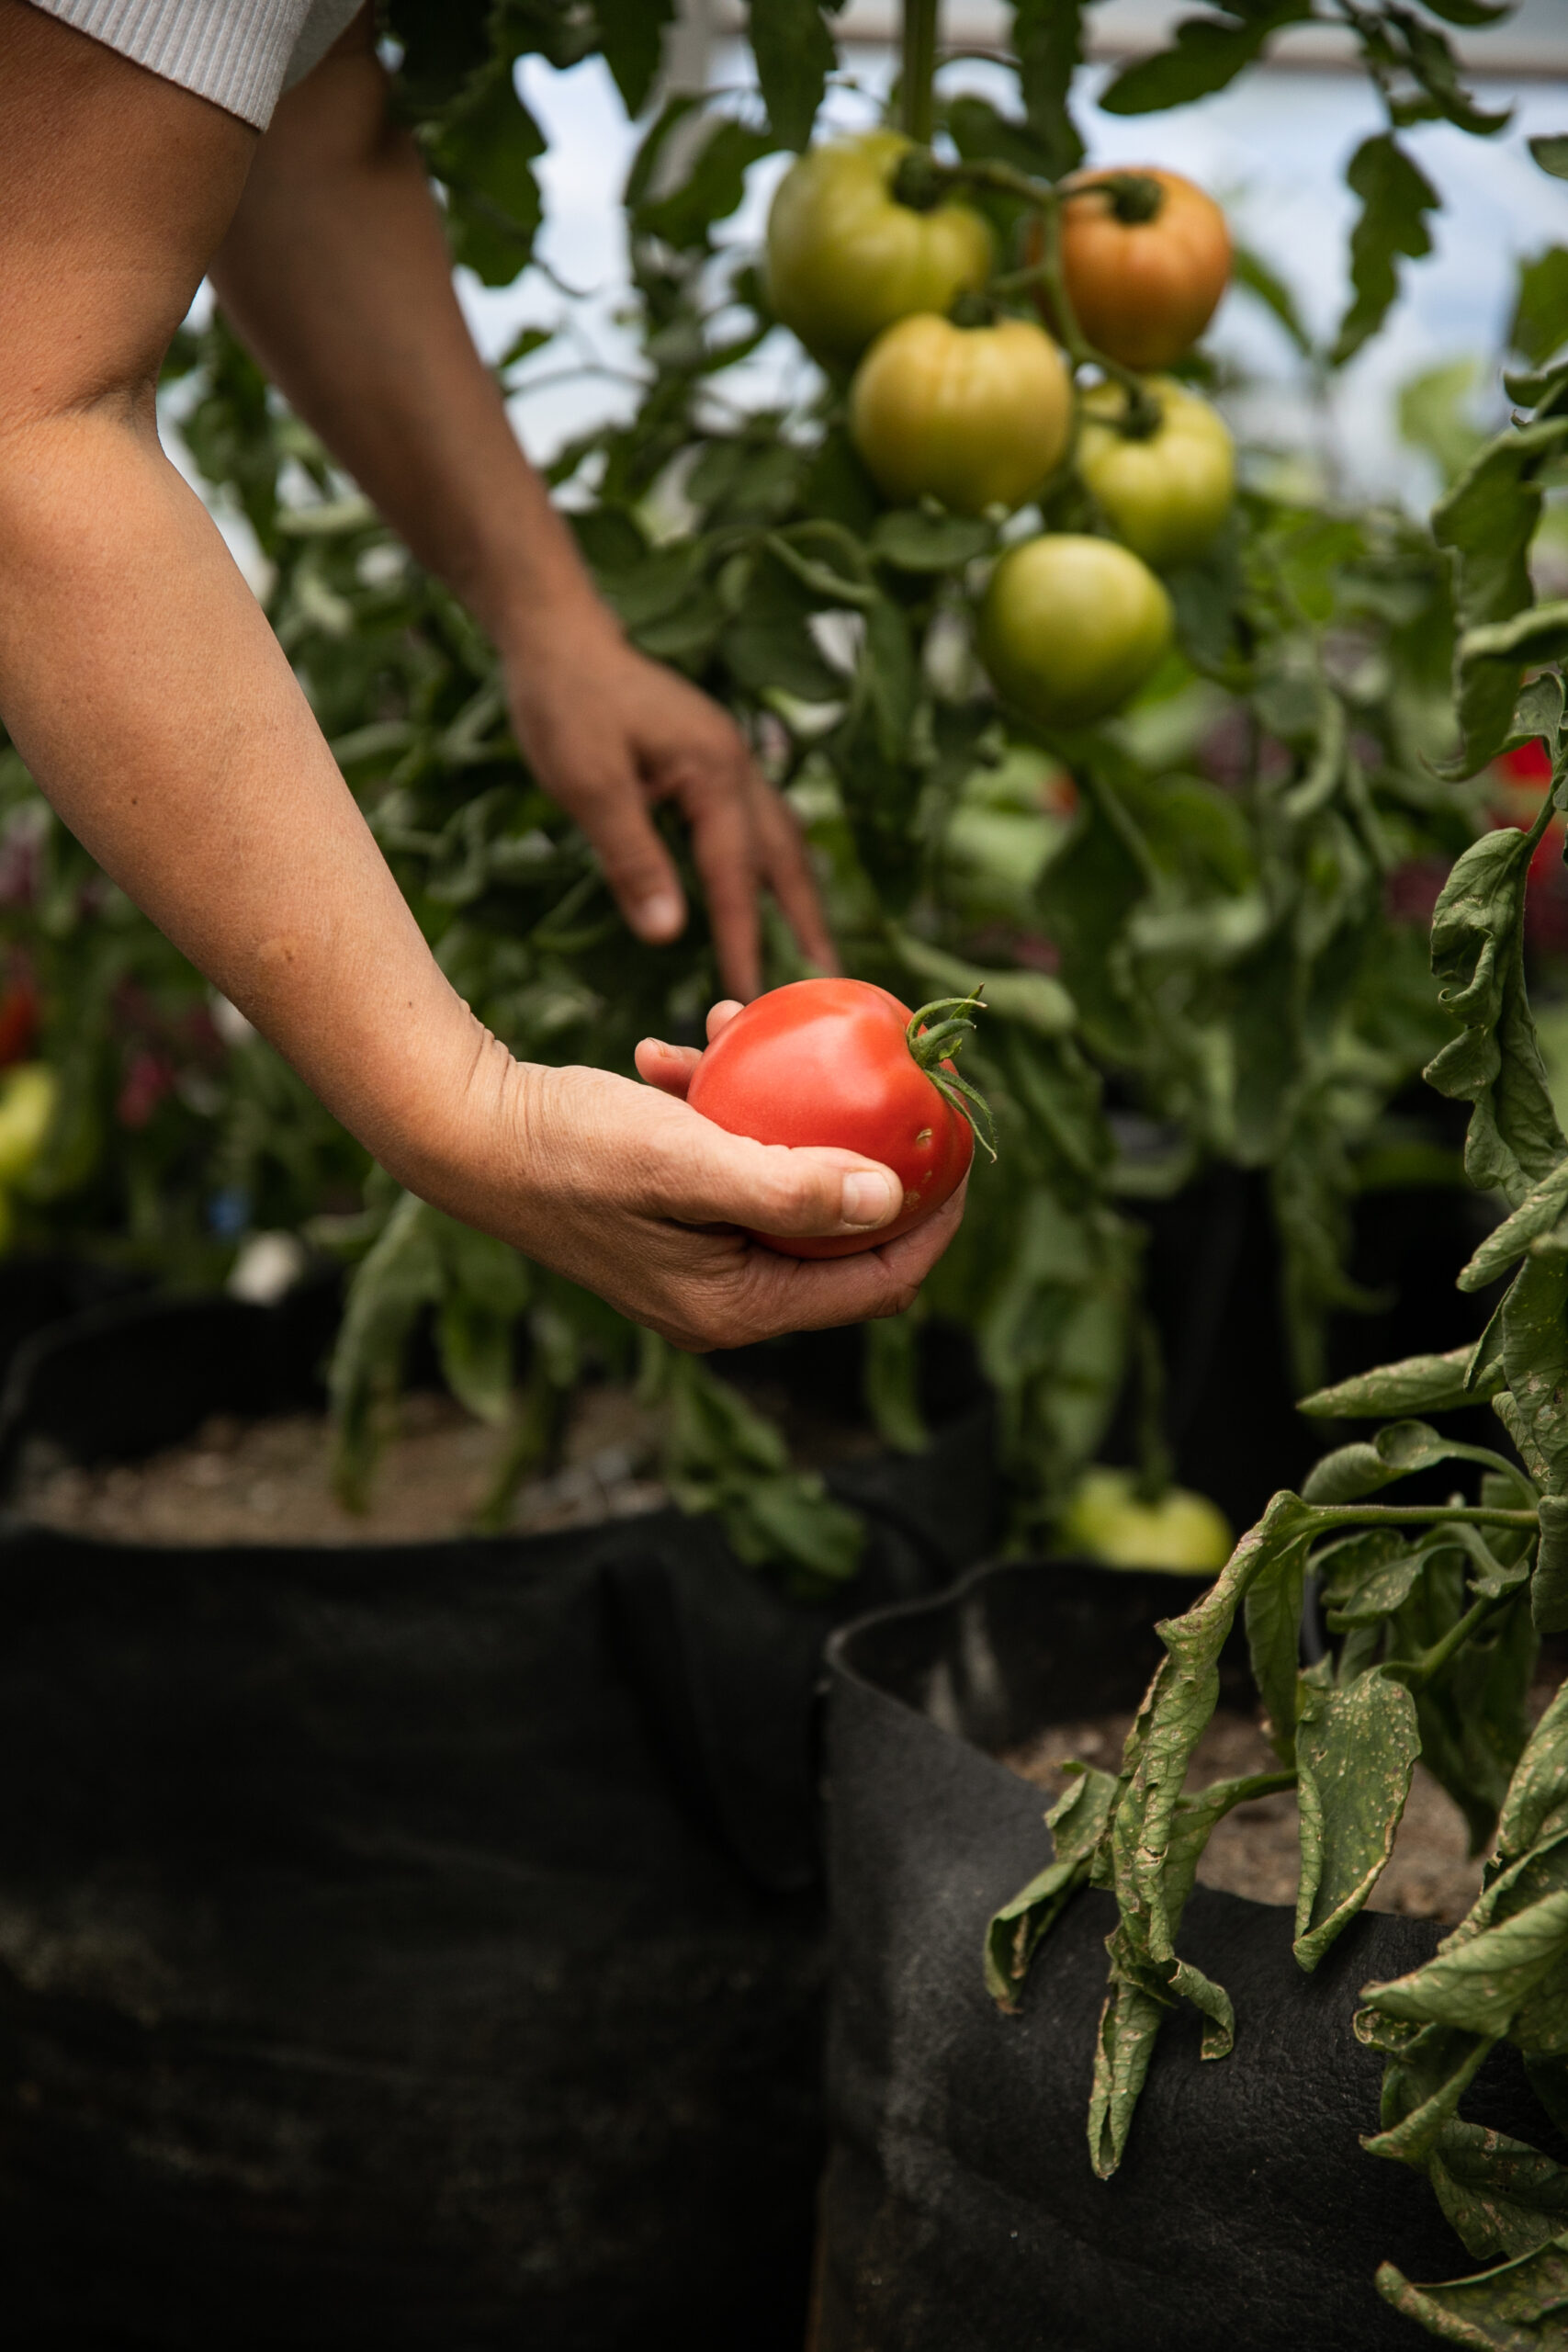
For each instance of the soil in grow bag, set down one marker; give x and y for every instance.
(960, 2212)
(404, 1945)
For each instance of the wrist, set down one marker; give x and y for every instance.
(557, 629)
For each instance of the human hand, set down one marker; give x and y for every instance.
(610, 734)
(625, 1189)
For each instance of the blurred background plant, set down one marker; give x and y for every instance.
(1201, 921)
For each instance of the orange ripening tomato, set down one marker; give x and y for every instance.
(842, 1063)
(1147, 257)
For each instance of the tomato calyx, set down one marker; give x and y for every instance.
(919, 183)
(1135, 198)
(934, 1035)
(970, 308)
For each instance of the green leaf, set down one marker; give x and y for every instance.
(1540, 323)
(1487, 521)
(1503, 2198)
(487, 1290)
(1548, 1585)
(1032, 999)
(1155, 1835)
(1356, 1749)
(1533, 1407)
(1397, 1452)
(484, 150)
(1434, 415)
(771, 645)
(1209, 53)
(1537, 1213)
(1078, 1825)
(1430, 2070)
(1273, 1613)
(631, 35)
(1395, 197)
(711, 190)
(1368, 1576)
(1516, 2308)
(1550, 152)
(1476, 1983)
(1539, 635)
(795, 55)
(1431, 62)
(399, 1277)
(1249, 269)
(1470, 12)
(913, 540)
(1432, 1384)
(1047, 44)
(892, 1382)
(1513, 1140)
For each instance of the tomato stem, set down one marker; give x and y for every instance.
(921, 179)
(934, 1035)
(917, 68)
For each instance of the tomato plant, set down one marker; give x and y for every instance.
(1070, 625)
(1191, 945)
(841, 1062)
(976, 416)
(846, 257)
(1165, 494)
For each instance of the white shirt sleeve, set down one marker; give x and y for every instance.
(242, 54)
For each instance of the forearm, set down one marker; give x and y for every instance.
(337, 274)
(147, 695)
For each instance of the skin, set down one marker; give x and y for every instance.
(142, 686)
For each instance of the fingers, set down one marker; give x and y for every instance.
(784, 1295)
(672, 1067)
(669, 1067)
(706, 1176)
(636, 864)
(787, 869)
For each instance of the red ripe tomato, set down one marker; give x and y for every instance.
(843, 1063)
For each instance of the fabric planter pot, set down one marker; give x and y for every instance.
(960, 2211)
(402, 1945)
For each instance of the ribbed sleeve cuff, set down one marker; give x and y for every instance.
(235, 52)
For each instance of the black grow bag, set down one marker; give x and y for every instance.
(960, 2212)
(406, 1946)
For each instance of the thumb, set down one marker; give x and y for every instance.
(715, 1177)
(635, 863)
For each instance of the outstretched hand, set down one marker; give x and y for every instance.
(609, 734)
(627, 1190)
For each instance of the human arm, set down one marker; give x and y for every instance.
(335, 271)
(142, 685)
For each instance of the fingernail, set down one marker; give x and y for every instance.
(658, 917)
(867, 1199)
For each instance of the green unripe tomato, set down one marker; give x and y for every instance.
(1166, 494)
(29, 1092)
(845, 258)
(976, 416)
(1183, 1534)
(1069, 626)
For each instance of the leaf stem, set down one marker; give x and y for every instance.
(1421, 1515)
(1415, 1673)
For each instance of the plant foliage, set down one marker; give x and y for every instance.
(1437, 1607)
